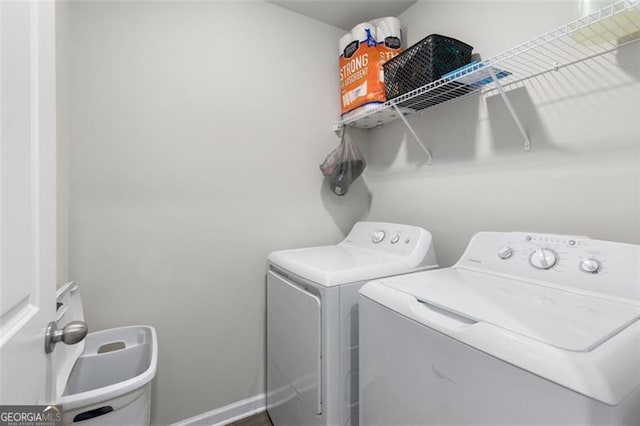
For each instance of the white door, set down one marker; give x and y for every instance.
(27, 198)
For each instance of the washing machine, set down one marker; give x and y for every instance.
(525, 328)
(312, 318)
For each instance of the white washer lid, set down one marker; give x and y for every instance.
(560, 318)
(341, 264)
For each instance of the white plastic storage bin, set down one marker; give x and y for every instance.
(109, 380)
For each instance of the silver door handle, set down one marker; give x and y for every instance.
(71, 334)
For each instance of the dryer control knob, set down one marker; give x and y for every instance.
(543, 258)
(395, 238)
(505, 252)
(378, 236)
(591, 266)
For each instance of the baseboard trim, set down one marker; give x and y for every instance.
(229, 413)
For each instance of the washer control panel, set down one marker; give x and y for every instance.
(562, 260)
(403, 240)
(543, 251)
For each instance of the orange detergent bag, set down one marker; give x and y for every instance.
(361, 72)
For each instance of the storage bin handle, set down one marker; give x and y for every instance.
(91, 414)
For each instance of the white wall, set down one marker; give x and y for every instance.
(196, 136)
(583, 173)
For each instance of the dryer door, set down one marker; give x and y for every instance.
(294, 365)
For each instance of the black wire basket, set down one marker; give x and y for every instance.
(423, 63)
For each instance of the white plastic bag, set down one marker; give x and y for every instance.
(343, 165)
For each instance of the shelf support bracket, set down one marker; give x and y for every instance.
(512, 111)
(337, 128)
(415, 136)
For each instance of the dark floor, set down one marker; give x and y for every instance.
(260, 419)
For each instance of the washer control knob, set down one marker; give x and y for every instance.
(395, 238)
(378, 236)
(505, 252)
(543, 258)
(591, 266)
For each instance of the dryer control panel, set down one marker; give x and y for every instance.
(574, 262)
(403, 240)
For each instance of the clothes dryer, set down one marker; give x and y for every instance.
(312, 318)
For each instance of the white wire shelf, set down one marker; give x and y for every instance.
(598, 33)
